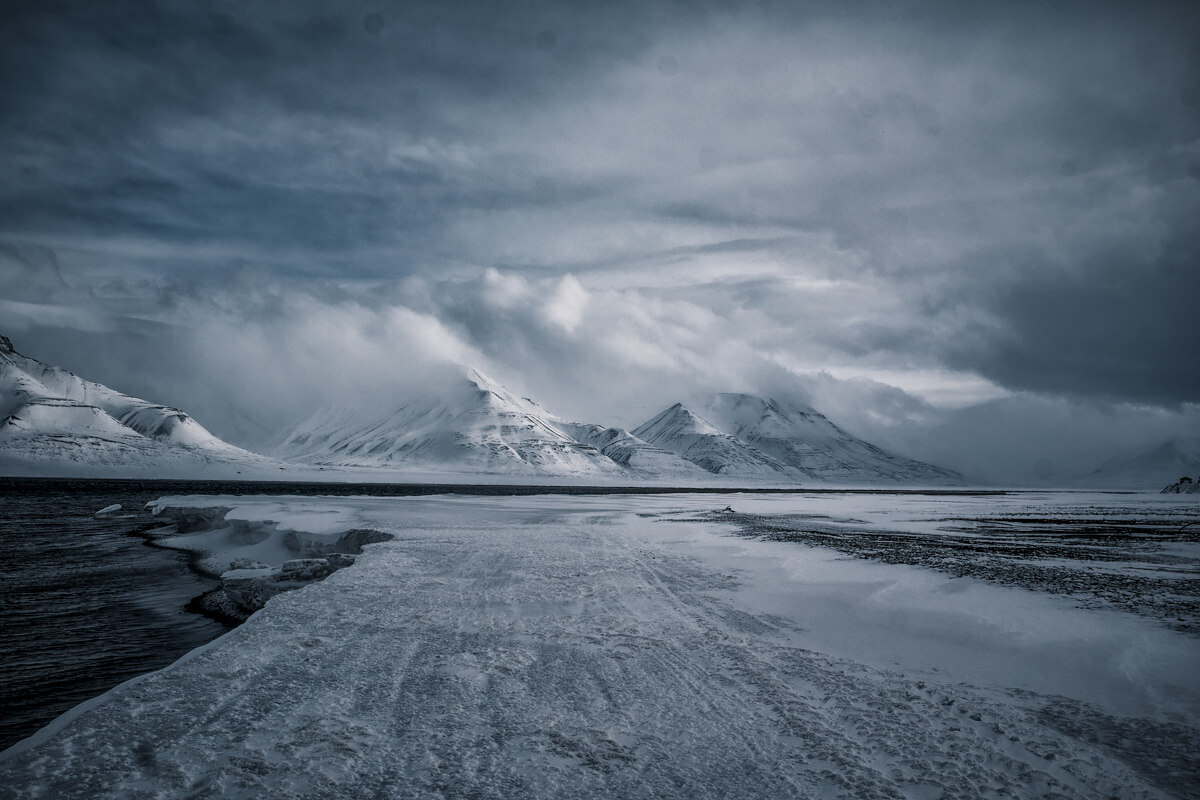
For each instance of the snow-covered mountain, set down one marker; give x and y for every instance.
(678, 430)
(748, 436)
(462, 423)
(54, 422)
(1148, 467)
(803, 438)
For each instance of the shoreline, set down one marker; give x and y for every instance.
(88, 605)
(479, 485)
(252, 560)
(212, 604)
(195, 605)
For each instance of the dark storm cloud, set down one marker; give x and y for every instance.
(1118, 325)
(264, 124)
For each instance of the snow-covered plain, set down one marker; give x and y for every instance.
(658, 646)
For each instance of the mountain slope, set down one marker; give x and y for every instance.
(678, 430)
(747, 436)
(806, 440)
(464, 422)
(631, 452)
(53, 421)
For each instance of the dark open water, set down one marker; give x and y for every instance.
(85, 604)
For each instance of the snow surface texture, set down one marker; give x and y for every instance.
(54, 422)
(626, 647)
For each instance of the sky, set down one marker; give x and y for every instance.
(965, 231)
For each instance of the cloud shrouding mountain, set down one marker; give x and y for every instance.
(959, 224)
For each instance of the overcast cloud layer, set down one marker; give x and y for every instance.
(968, 231)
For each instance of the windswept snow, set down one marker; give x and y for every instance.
(639, 646)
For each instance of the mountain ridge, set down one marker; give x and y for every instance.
(451, 420)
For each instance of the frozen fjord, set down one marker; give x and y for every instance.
(632, 646)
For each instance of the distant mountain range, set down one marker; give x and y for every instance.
(464, 423)
(473, 423)
(53, 422)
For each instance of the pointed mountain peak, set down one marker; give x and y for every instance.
(495, 394)
(677, 419)
(6, 345)
(480, 380)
